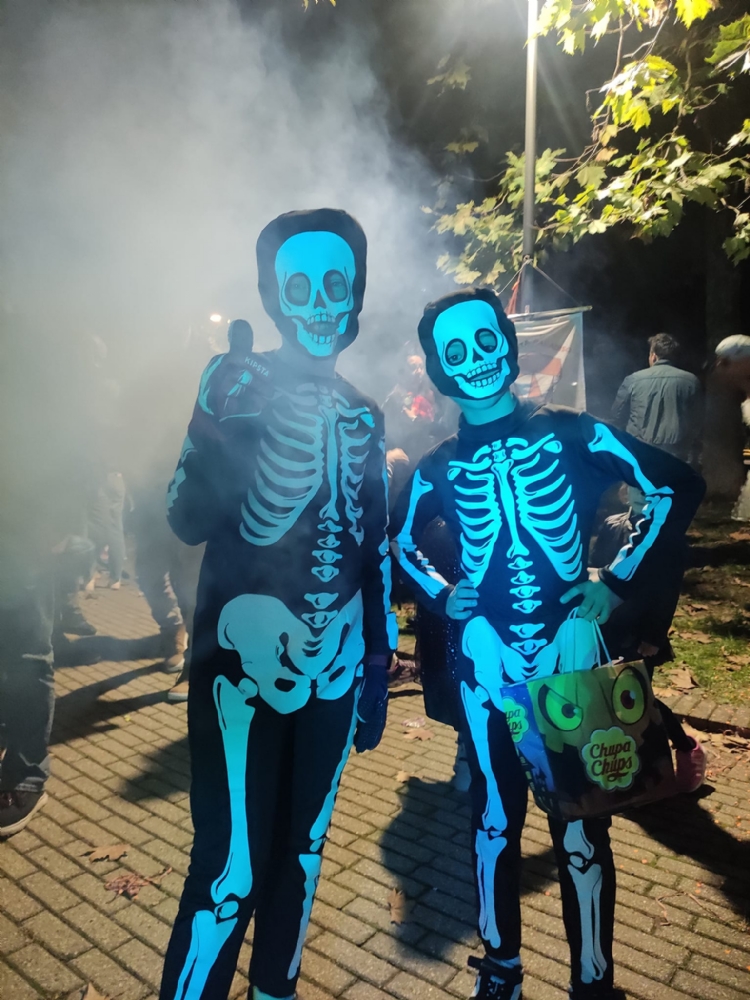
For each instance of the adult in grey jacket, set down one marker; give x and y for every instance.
(662, 404)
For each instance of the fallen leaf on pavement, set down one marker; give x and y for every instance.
(417, 723)
(89, 993)
(701, 637)
(130, 885)
(419, 734)
(660, 692)
(682, 679)
(398, 904)
(740, 536)
(111, 853)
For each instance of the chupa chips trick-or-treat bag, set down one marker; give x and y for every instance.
(591, 742)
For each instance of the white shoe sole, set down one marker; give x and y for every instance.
(176, 668)
(8, 831)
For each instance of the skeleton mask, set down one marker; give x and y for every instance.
(311, 277)
(470, 345)
(315, 272)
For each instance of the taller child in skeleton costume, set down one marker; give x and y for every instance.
(518, 487)
(283, 473)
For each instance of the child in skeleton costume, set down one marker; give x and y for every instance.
(283, 473)
(518, 487)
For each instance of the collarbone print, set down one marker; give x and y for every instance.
(313, 447)
(520, 485)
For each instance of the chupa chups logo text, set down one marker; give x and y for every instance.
(517, 719)
(610, 758)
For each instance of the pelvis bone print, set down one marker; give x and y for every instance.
(287, 660)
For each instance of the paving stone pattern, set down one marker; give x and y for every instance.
(121, 775)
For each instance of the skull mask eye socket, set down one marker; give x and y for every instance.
(336, 286)
(455, 352)
(297, 289)
(486, 339)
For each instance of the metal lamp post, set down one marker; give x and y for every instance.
(529, 155)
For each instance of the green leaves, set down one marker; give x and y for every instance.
(732, 50)
(659, 106)
(692, 10)
(454, 74)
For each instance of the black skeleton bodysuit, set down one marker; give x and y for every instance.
(283, 475)
(519, 495)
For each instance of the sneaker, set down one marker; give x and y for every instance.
(17, 808)
(73, 622)
(173, 646)
(496, 982)
(691, 767)
(180, 691)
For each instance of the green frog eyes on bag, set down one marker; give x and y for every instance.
(591, 742)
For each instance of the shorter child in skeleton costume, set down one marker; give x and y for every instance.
(283, 473)
(518, 487)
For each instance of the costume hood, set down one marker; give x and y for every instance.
(473, 353)
(324, 251)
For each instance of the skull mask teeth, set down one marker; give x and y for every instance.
(472, 349)
(315, 273)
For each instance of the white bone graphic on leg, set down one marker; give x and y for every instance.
(311, 862)
(587, 879)
(490, 839)
(211, 928)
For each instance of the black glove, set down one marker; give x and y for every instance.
(372, 706)
(239, 385)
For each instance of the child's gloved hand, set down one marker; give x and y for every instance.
(236, 384)
(372, 707)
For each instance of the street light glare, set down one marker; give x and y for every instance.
(215, 317)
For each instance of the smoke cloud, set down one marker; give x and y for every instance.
(147, 144)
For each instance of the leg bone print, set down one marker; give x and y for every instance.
(587, 879)
(211, 928)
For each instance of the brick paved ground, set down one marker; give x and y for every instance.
(120, 774)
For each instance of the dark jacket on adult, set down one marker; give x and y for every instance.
(662, 405)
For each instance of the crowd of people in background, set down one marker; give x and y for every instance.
(97, 515)
(112, 526)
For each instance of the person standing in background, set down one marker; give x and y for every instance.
(662, 404)
(44, 458)
(732, 373)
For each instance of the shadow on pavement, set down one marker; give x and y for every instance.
(169, 764)
(683, 827)
(92, 649)
(81, 712)
(419, 853)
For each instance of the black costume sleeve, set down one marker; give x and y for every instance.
(419, 504)
(231, 386)
(673, 491)
(380, 628)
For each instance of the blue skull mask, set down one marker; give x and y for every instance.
(470, 345)
(311, 277)
(315, 272)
